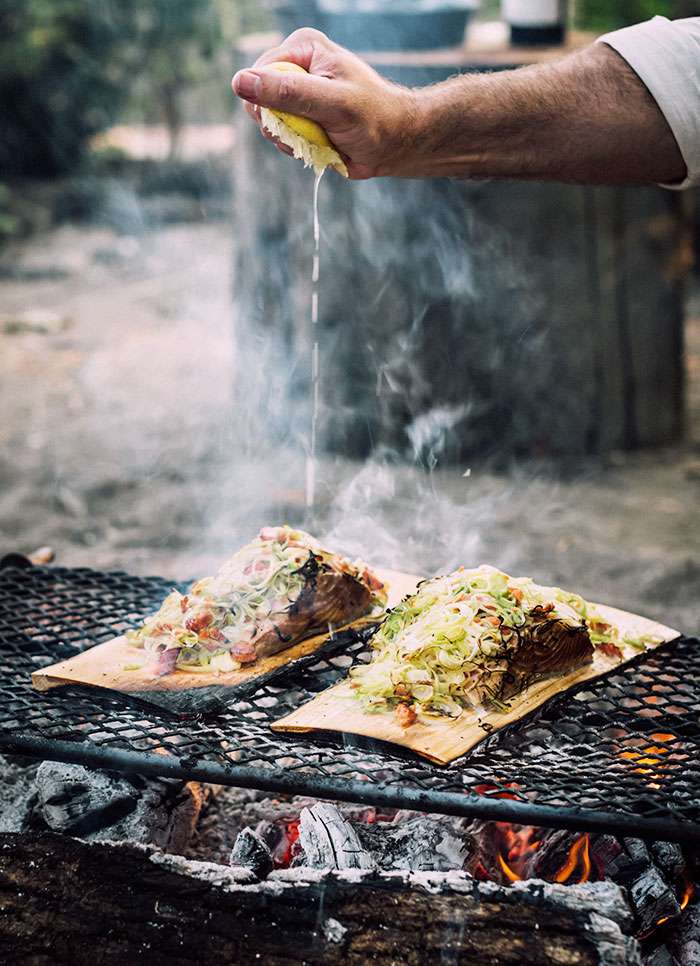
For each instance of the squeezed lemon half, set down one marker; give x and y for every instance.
(306, 138)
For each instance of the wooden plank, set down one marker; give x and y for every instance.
(444, 739)
(103, 666)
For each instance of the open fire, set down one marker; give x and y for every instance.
(515, 847)
(257, 839)
(520, 843)
(500, 852)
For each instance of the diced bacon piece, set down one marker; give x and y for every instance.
(271, 533)
(211, 634)
(184, 601)
(610, 649)
(199, 621)
(405, 715)
(243, 652)
(373, 582)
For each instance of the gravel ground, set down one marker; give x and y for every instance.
(118, 447)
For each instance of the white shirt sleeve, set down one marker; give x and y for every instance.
(665, 55)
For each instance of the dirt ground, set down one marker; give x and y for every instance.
(118, 447)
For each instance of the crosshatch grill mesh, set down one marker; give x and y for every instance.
(620, 754)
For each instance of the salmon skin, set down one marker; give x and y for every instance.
(328, 600)
(544, 647)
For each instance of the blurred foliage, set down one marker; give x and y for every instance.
(69, 68)
(603, 15)
(8, 222)
(62, 70)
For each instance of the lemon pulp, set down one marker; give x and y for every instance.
(307, 139)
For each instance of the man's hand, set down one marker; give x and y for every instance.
(586, 118)
(368, 119)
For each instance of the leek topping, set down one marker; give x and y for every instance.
(446, 647)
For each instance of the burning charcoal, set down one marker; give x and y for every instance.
(281, 838)
(551, 857)
(252, 853)
(684, 941)
(102, 805)
(329, 841)
(419, 844)
(76, 800)
(669, 857)
(630, 863)
(653, 900)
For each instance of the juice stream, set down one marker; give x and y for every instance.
(315, 374)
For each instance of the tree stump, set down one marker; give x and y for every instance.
(457, 318)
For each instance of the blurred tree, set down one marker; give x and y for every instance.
(177, 40)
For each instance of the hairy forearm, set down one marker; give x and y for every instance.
(587, 118)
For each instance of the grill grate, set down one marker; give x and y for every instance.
(621, 754)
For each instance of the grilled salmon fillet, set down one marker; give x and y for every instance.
(274, 592)
(475, 639)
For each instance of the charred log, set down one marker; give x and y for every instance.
(136, 906)
(107, 806)
(669, 858)
(632, 861)
(98, 804)
(653, 900)
(419, 843)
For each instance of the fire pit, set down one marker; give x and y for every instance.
(528, 850)
(239, 877)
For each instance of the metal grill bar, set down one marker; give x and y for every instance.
(619, 755)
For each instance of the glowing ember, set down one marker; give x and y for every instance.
(288, 847)
(688, 890)
(517, 843)
(520, 843)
